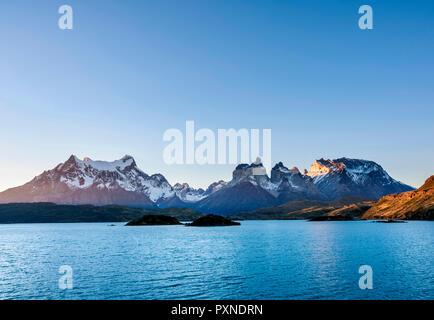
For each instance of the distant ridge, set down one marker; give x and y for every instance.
(301, 209)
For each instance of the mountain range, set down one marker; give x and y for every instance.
(121, 182)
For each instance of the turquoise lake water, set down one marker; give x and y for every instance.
(257, 260)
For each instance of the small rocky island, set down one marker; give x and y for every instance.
(331, 218)
(390, 221)
(154, 220)
(212, 220)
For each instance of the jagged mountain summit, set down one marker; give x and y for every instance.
(121, 182)
(292, 184)
(93, 182)
(188, 194)
(251, 188)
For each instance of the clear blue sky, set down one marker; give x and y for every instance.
(132, 69)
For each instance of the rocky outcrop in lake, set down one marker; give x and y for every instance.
(212, 220)
(153, 220)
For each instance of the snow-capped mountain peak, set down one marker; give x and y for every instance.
(89, 179)
(188, 194)
(88, 163)
(359, 170)
(356, 177)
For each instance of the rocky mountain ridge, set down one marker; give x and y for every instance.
(121, 182)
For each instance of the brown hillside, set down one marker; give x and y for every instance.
(412, 205)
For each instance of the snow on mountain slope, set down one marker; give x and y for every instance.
(93, 182)
(353, 177)
(122, 173)
(292, 185)
(251, 188)
(360, 171)
(188, 194)
(216, 186)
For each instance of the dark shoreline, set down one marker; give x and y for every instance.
(23, 213)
